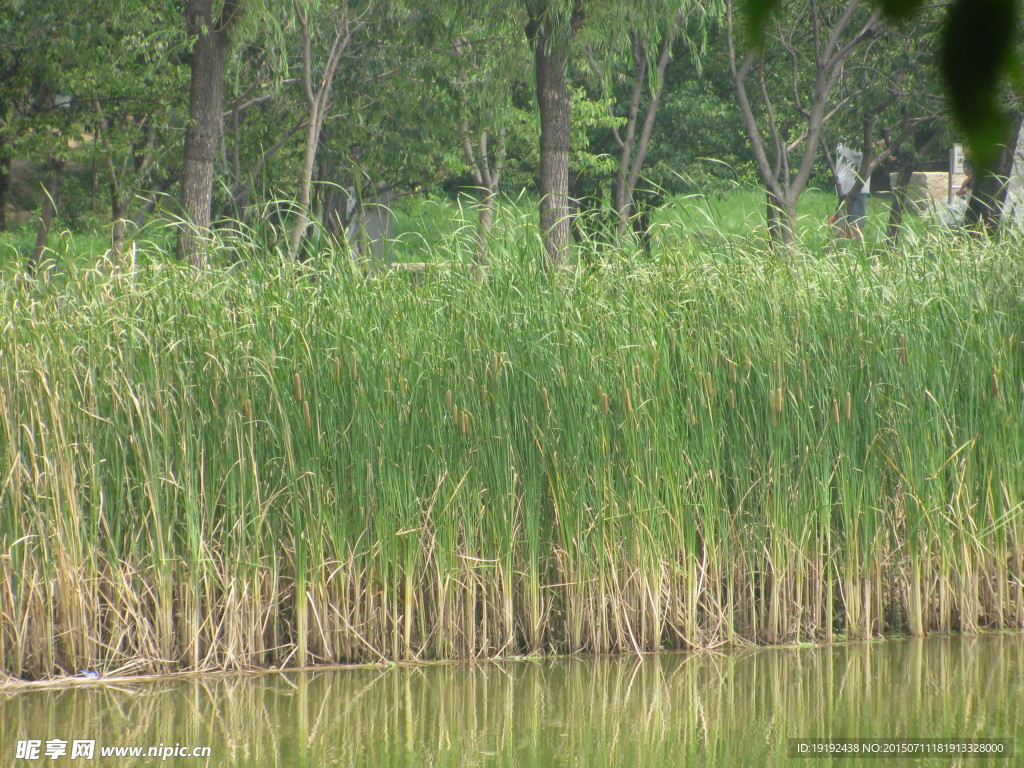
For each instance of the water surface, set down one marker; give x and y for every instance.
(729, 709)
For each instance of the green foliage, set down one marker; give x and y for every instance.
(979, 53)
(698, 143)
(421, 69)
(589, 116)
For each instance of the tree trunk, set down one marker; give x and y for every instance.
(640, 220)
(206, 109)
(1013, 202)
(488, 202)
(305, 183)
(118, 206)
(983, 207)
(51, 193)
(622, 197)
(118, 202)
(633, 149)
(899, 201)
(780, 217)
(317, 103)
(5, 183)
(486, 172)
(328, 195)
(153, 198)
(554, 103)
(988, 190)
(900, 198)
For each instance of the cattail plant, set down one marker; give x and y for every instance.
(254, 469)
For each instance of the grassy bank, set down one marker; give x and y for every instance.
(428, 228)
(253, 467)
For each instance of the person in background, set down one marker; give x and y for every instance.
(881, 177)
(850, 219)
(968, 184)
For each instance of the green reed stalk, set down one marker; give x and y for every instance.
(312, 464)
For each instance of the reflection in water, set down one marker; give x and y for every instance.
(736, 709)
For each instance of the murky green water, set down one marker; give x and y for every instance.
(733, 709)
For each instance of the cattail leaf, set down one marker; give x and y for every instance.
(900, 9)
(758, 13)
(977, 51)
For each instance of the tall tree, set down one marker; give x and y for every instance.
(211, 32)
(980, 51)
(51, 194)
(343, 22)
(817, 37)
(895, 106)
(132, 87)
(653, 31)
(486, 165)
(551, 26)
(39, 58)
(487, 64)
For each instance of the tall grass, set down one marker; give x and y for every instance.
(287, 466)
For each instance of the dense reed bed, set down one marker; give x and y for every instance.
(257, 467)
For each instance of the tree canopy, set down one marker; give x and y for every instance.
(302, 114)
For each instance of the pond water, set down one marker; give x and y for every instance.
(738, 708)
